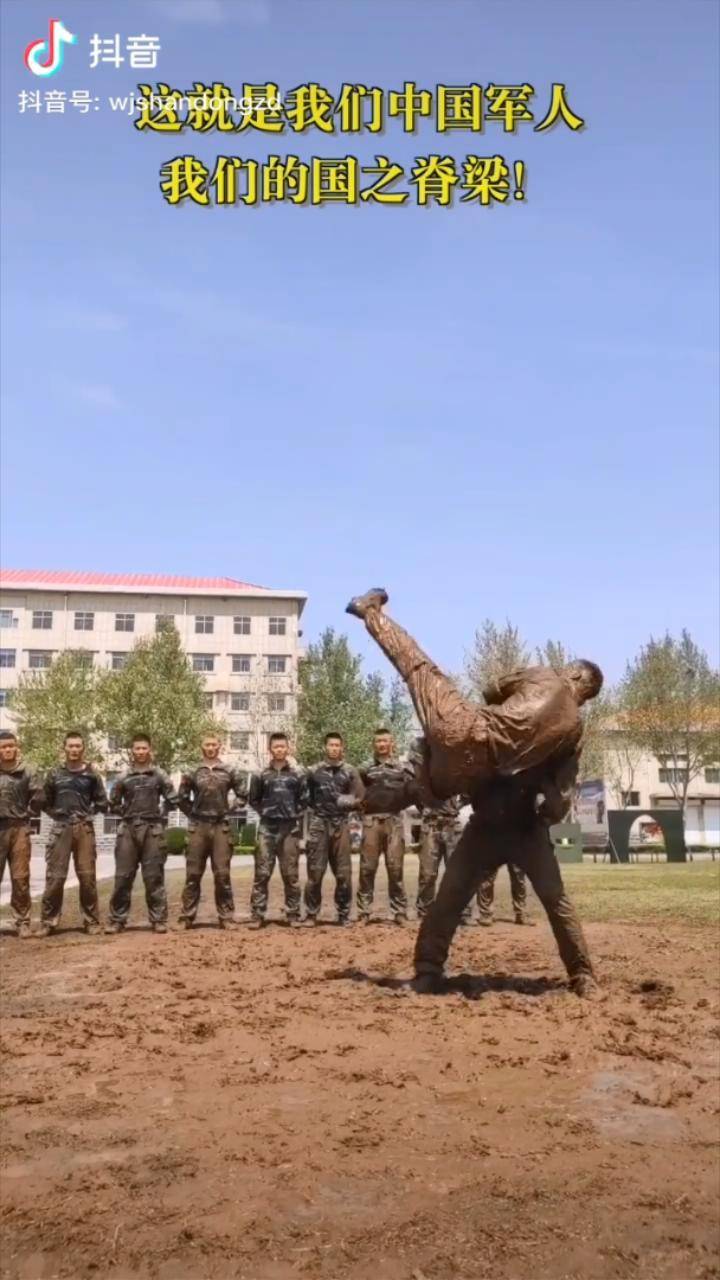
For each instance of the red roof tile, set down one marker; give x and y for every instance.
(139, 581)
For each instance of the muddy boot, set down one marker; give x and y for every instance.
(295, 922)
(522, 919)
(92, 929)
(225, 922)
(428, 984)
(257, 922)
(23, 930)
(45, 930)
(160, 927)
(344, 922)
(184, 923)
(401, 921)
(112, 927)
(363, 919)
(310, 922)
(584, 986)
(375, 598)
(485, 922)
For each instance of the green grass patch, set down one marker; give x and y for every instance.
(685, 893)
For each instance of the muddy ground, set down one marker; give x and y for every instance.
(272, 1105)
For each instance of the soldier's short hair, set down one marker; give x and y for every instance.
(73, 733)
(382, 729)
(278, 737)
(592, 673)
(140, 737)
(329, 736)
(7, 735)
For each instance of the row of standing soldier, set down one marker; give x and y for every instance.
(292, 803)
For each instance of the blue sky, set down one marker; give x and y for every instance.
(505, 412)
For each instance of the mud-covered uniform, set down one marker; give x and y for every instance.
(204, 797)
(20, 800)
(532, 717)
(518, 893)
(389, 788)
(141, 798)
(72, 797)
(328, 834)
(510, 823)
(440, 831)
(279, 797)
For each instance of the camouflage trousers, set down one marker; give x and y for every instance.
(277, 842)
(74, 839)
(208, 840)
(437, 842)
(328, 841)
(518, 891)
(139, 844)
(15, 855)
(382, 836)
(483, 848)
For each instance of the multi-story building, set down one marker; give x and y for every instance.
(244, 640)
(636, 780)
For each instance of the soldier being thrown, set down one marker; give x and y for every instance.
(334, 789)
(203, 796)
(20, 797)
(73, 793)
(141, 797)
(279, 796)
(533, 714)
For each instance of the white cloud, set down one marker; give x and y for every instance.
(98, 395)
(252, 13)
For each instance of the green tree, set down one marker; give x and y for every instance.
(157, 693)
(496, 651)
(670, 697)
(335, 695)
(48, 703)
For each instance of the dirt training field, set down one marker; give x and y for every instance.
(261, 1106)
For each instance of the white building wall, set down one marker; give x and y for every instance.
(702, 813)
(26, 641)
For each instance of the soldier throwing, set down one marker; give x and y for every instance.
(203, 796)
(334, 788)
(141, 797)
(20, 797)
(73, 793)
(389, 788)
(279, 796)
(440, 831)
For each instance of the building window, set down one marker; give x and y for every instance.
(7, 657)
(712, 775)
(241, 664)
(110, 825)
(163, 621)
(118, 661)
(673, 775)
(39, 659)
(239, 701)
(208, 700)
(84, 658)
(4, 695)
(278, 626)
(276, 665)
(42, 619)
(239, 741)
(276, 701)
(84, 621)
(124, 621)
(204, 624)
(203, 662)
(630, 799)
(241, 625)
(7, 618)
